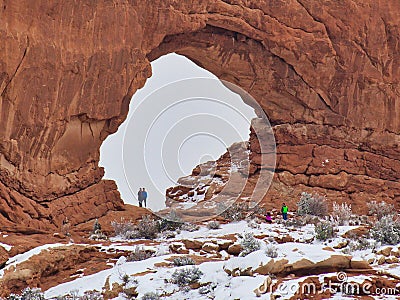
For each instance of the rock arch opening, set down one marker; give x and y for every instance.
(183, 134)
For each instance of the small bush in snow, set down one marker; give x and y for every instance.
(123, 227)
(150, 296)
(28, 294)
(249, 244)
(387, 230)
(271, 251)
(125, 279)
(167, 234)
(258, 210)
(207, 288)
(139, 253)
(213, 225)
(359, 244)
(324, 231)
(183, 261)
(253, 223)
(147, 228)
(309, 204)
(186, 276)
(96, 226)
(91, 295)
(235, 212)
(98, 236)
(204, 290)
(381, 209)
(88, 295)
(341, 213)
(168, 225)
(190, 227)
(170, 222)
(358, 220)
(295, 222)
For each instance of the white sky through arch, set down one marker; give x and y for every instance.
(190, 148)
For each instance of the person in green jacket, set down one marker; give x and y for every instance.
(284, 211)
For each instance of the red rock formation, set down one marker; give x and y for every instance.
(54, 266)
(326, 73)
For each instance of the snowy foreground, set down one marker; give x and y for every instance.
(290, 263)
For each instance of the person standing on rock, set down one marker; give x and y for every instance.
(140, 197)
(284, 211)
(144, 197)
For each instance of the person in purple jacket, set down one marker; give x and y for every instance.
(268, 217)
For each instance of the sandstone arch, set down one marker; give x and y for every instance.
(326, 74)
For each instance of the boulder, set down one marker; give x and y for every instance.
(234, 249)
(193, 244)
(385, 251)
(210, 247)
(179, 248)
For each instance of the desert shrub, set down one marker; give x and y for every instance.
(150, 296)
(364, 219)
(258, 210)
(295, 222)
(130, 292)
(235, 212)
(253, 223)
(204, 290)
(183, 277)
(88, 295)
(123, 228)
(190, 227)
(381, 209)
(125, 279)
(170, 222)
(249, 244)
(147, 228)
(168, 225)
(356, 220)
(183, 261)
(359, 244)
(96, 226)
(271, 251)
(387, 230)
(324, 231)
(213, 225)
(128, 280)
(91, 295)
(98, 236)
(139, 253)
(341, 213)
(28, 294)
(309, 204)
(167, 234)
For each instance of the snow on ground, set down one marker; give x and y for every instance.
(296, 251)
(225, 287)
(152, 277)
(5, 246)
(98, 280)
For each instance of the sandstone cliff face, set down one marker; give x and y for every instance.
(326, 73)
